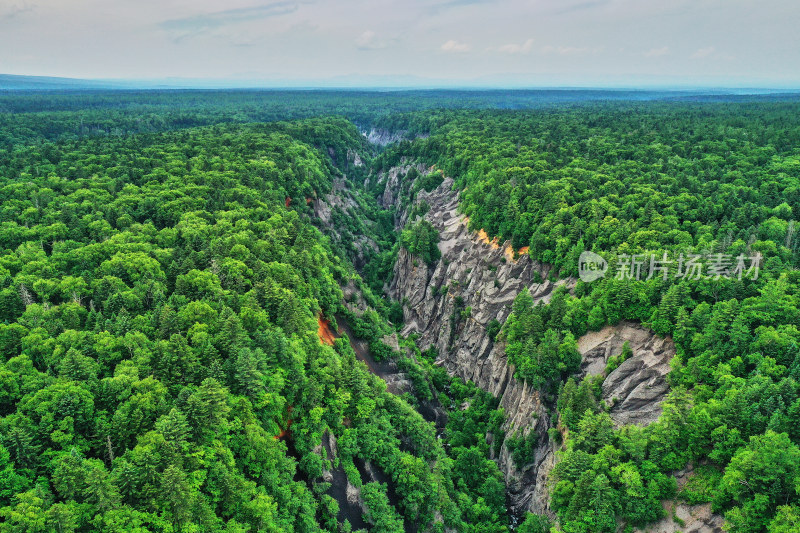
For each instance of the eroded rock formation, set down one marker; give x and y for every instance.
(636, 388)
(485, 277)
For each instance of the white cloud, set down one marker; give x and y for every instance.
(514, 48)
(455, 46)
(703, 52)
(568, 50)
(191, 26)
(657, 52)
(369, 41)
(304, 39)
(13, 8)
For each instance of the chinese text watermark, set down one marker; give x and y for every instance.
(643, 267)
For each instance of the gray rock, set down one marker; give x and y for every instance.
(382, 137)
(637, 387)
(353, 494)
(342, 198)
(694, 518)
(487, 276)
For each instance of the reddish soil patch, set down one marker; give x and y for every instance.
(325, 331)
(509, 253)
(484, 238)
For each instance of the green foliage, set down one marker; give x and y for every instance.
(785, 520)
(540, 358)
(702, 485)
(160, 283)
(380, 514)
(421, 239)
(574, 401)
(522, 448)
(474, 421)
(160, 368)
(759, 478)
(493, 328)
(641, 179)
(615, 360)
(428, 182)
(633, 176)
(535, 523)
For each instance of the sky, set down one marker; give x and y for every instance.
(623, 43)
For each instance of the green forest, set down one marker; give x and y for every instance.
(164, 278)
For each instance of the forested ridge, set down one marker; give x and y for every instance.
(650, 179)
(159, 302)
(163, 275)
(36, 116)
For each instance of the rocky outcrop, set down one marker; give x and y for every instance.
(635, 389)
(680, 517)
(383, 137)
(392, 181)
(450, 305)
(352, 507)
(348, 496)
(354, 157)
(683, 518)
(486, 277)
(341, 199)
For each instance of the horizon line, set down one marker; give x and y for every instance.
(340, 83)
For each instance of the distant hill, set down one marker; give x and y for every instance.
(538, 84)
(10, 82)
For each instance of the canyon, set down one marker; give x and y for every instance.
(485, 276)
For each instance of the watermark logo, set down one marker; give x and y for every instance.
(640, 267)
(591, 267)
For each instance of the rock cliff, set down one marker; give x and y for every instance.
(690, 519)
(340, 203)
(382, 137)
(485, 276)
(635, 388)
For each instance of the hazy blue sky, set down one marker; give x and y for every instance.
(539, 42)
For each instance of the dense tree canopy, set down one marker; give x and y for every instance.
(716, 181)
(160, 366)
(162, 282)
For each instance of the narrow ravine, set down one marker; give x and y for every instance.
(349, 507)
(486, 276)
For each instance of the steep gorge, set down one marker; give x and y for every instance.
(450, 304)
(485, 277)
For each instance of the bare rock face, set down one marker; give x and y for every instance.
(486, 277)
(685, 518)
(382, 137)
(351, 505)
(353, 298)
(636, 388)
(392, 180)
(355, 157)
(484, 274)
(691, 519)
